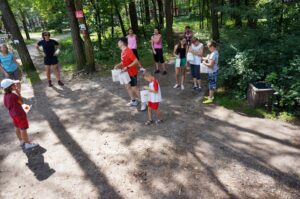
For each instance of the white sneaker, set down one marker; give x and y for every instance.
(176, 86)
(30, 145)
(143, 106)
(133, 103)
(182, 87)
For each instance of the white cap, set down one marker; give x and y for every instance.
(8, 82)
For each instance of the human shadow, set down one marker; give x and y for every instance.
(37, 164)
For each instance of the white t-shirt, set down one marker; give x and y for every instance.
(155, 97)
(197, 59)
(214, 56)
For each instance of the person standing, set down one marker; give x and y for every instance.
(132, 44)
(180, 51)
(9, 65)
(50, 52)
(157, 49)
(212, 62)
(128, 64)
(197, 50)
(188, 35)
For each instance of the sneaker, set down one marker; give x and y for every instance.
(208, 101)
(50, 83)
(144, 107)
(30, 145)
(164, 73)
(142, 69)
(158, 121)
(60, 83)
(149, 122)
(157, 71)
(182, 87)
(206, 97)
(199, 88)
(21, 143)
(195, 88)
(133, 103)
(176, 86)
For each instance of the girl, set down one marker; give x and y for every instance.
(212, 62)
(13, 102)
(180, 51)
(155, 98)
(50, 52)
(197, 50)
(9, 64)
(157, 49)
(188, 34)
(132, 44)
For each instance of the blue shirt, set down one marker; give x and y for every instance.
(7, 62)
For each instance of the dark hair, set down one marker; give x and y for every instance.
(9, 89)
(130, 29)
(124, 40)
(179, 43)
(212, 43)
(157, 28)
(45, 33)
(188, 27)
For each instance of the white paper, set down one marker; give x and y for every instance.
(124, 78)
(115, 75)
(145, 96)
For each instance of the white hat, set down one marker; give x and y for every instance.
(8, 82)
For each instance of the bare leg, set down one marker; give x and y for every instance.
(149, 114)
(177, 75)
(48, 72)
(136, 92)
(18, 133)
(199, 82)
(24, 136)
(129, 91)
(158, 114)
(183, 71)
(157, 65)
(211, 93)
(56, 72)
(164, 66)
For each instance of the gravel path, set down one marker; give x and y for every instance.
(93, 146)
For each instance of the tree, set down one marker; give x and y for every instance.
(120, 18)
(147, 12)
(24, 22)
(133, 16)
(161, 13)
(214, 20)
(12, 27)
(76, 39)
(155, 12)
(169, 23)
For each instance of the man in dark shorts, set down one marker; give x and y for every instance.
(50, 49)
(129, 64)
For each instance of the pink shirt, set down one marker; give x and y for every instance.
(132, 43)
(157, 44)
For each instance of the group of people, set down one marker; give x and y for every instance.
(187, 47)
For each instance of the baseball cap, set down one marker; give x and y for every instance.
(8, 82)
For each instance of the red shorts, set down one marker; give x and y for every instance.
(153, 105)
(20, 122)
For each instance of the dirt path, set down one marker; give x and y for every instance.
(93, 146)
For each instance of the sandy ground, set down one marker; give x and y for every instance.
(93, 146)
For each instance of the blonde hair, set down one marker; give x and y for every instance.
(148, 74)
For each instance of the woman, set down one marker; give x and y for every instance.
(9, 65)
(132, 44)
(180, 51)
(128, 63)
(50, 52)
(157, 49)
(197, 50)
(212, 61)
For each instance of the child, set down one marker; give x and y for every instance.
(155, 97)
(180, 51)
(13, 102)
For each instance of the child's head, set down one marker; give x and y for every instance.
(9, 85)
(212, 45)
(123, 42)
(182, 42)
(148, 76)
(130, 31)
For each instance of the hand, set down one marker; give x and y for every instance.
(44, 55)
(142, 69)
(154, 52)
(125, 69)
(56, 52)
(116, 67)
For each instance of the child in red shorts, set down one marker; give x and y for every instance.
(155, 97)
(13, 102)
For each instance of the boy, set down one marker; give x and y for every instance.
(13, 102)
(155, 97)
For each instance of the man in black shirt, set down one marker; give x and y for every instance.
(50, 51)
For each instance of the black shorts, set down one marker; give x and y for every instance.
(133, 81)
(50, 60)
(159, 56)
(135, 52)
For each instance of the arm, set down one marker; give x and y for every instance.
(174, 51)
(152, 45)
(130, 65)
(118, 65)
(20, 100)
(210, 63)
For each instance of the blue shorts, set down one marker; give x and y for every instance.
(212, 80)
(195, 70)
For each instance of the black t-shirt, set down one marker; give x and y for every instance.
(48, 46)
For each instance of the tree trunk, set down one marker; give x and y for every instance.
(251, 22)
(215, 21)
(161, 13)
(120, 18)
(89, 52)
(133, 17)
(169, 23)
(112, 24)
(236, 15)
(97, 15)
(155, 12)
(147, 12)
(13, 28)
(24, 22)
(202, 15)
(75, 32)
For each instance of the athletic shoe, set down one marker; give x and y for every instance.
(142, 69)
(206, 97)
(176, 86)
(30, 145)
(21, 143)
(157, 71)
(158, 121)
(60, 83)
(50, 83)
(143, 106)
(195, 88)
(208, 101)
(199, 89)
(164, 73)
(149, 122)
(133, 103)
(182, 87)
